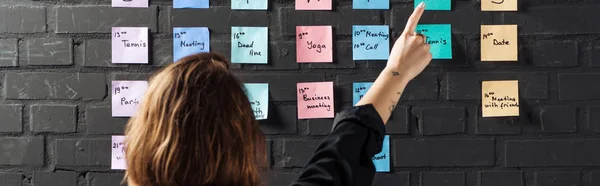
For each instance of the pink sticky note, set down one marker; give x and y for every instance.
(118, 153)
(315, 100)
(314, 44)
(130, 45)
(127, 96)
(313, 4)
(130, 3)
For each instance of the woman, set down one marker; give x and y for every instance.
(195, 126)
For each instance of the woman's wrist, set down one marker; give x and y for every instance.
(396, 74)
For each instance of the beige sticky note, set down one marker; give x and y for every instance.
(500, 98)
(499, 5)
(499, 43)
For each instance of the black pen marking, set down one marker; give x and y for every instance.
(498, 2)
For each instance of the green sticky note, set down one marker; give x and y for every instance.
(439, 37)
(249, 45)
(434, 4)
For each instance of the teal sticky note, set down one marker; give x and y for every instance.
(258, 95)
(249, 45)
(382, 160)
(371, 4)
(359, 89)
(370, 42)
(249, 4)
(439, 37)
(435, 4)
(190, 4)
(190, 40)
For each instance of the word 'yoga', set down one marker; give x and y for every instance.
(370, 42)
(314, 44)
(127, 96)
(130, 45)
(500, 98)
(439, 37)
(313, 4)
(499, 5)
(258, 95)
(249, 45)
(190, 40)
(315, 100)
(130, 3)
(499, 43)
(118, 153)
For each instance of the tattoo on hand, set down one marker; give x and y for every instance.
(393, 106)
(395, 74)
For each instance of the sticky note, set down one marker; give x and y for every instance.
(314, 44)
(499, 43)
(359, 89)
(500, 98)
(249, 4)
(118, 153)
(499, 5)
(434, 4)
(258, 95)
(127, 96)
(130, 45)
(190, 4)
(313, 4)
(370, 42)
(130, 3)
(382, 159)
(371, 4)
(249, 45)
(190, 40)
(315, 100)
(439, 38)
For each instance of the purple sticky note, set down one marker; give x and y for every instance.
(118, 153)
(130, 3)
(127, 96)
(130, 45)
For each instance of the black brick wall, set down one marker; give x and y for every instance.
(55, 68)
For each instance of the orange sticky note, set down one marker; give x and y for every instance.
(499, 43)
(500, 98)
(315, 100)
(314, 44)
(313, 4)
(499, 5)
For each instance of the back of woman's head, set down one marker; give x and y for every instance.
(195, 126)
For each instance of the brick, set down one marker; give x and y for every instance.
(44, 85)
(595, 54)
(423, 87)
(22, 19)
(162, 53)
(104, 179)
(269, 152)
(58, 51)
(341, 19)
(468, 16)
(555, 54)
(12, 118)
(281, 120)
(398, 178)
(100, 19)
(467, 85)
(594, 118)
(282, 56)
(53, 118)
(97, 53)
(319, 127)
(399, 121)
(297, 153)
(554, 20)
(206, 18)
(100, 121)
(279, 178)
(557, 179)
(570, 86)
(498, 125)
(552, 153)
(444, 152)
(55, 178)
(595, 178)
(442, 179)
(556, 119)
(282, 87)
(9, 52)
(500, 178)
(341, 59)
(11, 179)
(22, 151)
(74, 152)
(441, 120)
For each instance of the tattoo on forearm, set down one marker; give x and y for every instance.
(393, 106)
(395, 73)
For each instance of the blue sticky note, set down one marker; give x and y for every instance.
(382, 160)
(434, 4)
(439, 37)
(371, 4)
(190, 4)
(359, 89)
(370, 42)
(249, 4)
(249, 45)
(190, 40)
(258, 95)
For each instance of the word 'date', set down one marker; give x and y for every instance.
(130, 3)
(118, 153)
(249, 4)
(315, 100)
(188, 41)
(258, 95)
(499, 43)
(314, 44)
(190, 4)
(382, 160)
(359, 89)
(371, 4)
(127, 96)
(439, 37)
(499, 5)
(500, 98)
(370, 42)
(313, 4)
(130, 45)
(434, 4)
(249, 45)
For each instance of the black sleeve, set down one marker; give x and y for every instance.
(344, 158)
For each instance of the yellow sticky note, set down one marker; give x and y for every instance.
(500, 98)
(499, 43)
(499, 5)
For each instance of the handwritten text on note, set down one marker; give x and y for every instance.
(258, 95)
(499, 5)
(370, 42)
(371, 4)
(315, 100)
(382, 160)
(500, 98)
(130, 45)
(130, 3)
(249, 44)
(359, 89)
(188, 41)
(313, 4)
(314, 44)
(249, 4)
(439, 37)
(118, 153)
(127, 96)
(499, 43)
(190, 4)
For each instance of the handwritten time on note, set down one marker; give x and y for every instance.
(190, 40)
(118, 153)
(370, 42)
(130, 45)
(359, 89)
(499, 5)
(500, 98)
(315, 100)
(499, 43)
(314, 44)
(313, 4)
(249, 45)
(439, 37)
(127, 96)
